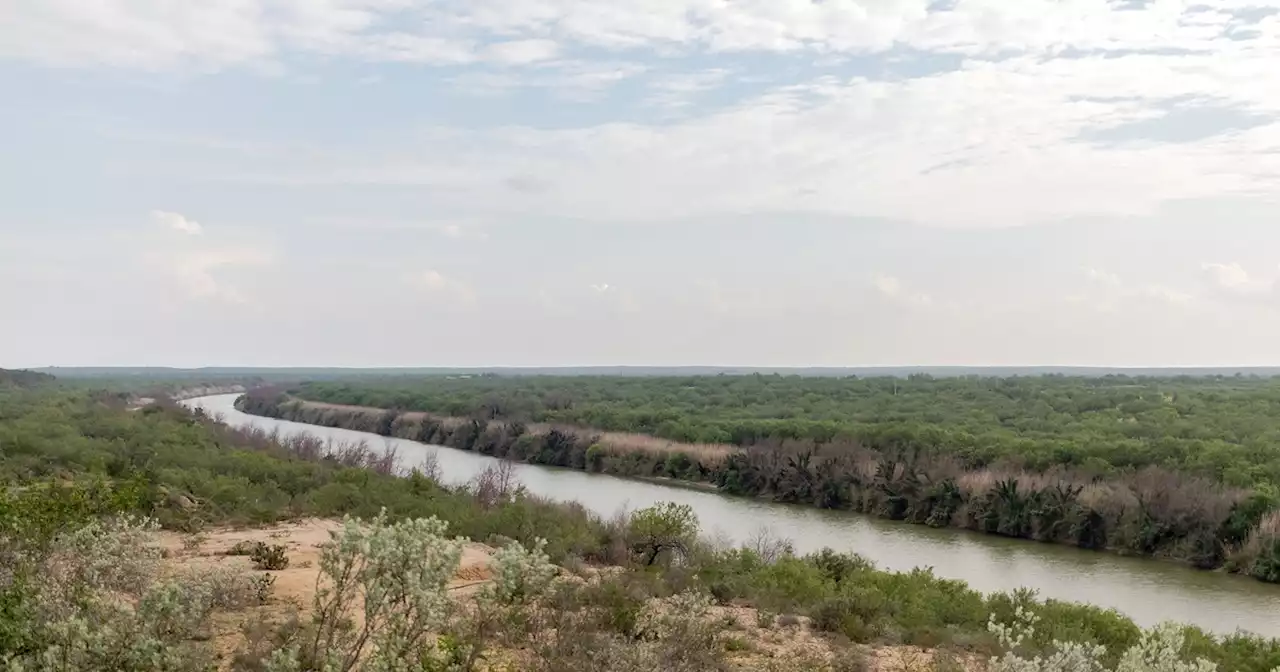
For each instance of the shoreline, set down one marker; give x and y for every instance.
(643, 461)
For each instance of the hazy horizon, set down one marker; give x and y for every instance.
(691, 369)
(598, 182)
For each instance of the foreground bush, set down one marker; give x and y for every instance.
(1159, 649)
(91, 599)
(382, 601)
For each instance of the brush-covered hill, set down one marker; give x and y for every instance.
(23, 378)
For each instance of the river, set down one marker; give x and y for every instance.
(1148, 591)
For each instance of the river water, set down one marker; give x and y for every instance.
(1148, 591)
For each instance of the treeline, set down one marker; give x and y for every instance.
(23, 378)
(1150, 512)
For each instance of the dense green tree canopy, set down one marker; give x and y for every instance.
(1226, 428)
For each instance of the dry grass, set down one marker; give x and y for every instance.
(708, 454)
(975, 484)
(624, 442)
(1264, 535)
(374, 413)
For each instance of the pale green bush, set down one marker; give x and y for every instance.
(98, 605)
(231, 588)
(506, 607)
(672, 617)
(1066, 656)
(673, 634)
(520, 576)
(1158, 650)
(396, 576)
(101, 559)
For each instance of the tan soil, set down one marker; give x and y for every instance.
(295, 585)
(775, 647)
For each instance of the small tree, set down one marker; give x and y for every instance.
(664, 529)
(497, 484)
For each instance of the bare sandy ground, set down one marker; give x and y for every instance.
(767, 648)
(295, 585)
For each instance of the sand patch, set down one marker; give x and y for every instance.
(295, 586)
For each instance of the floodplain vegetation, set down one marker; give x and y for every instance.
(1179, 468)
(87, 485)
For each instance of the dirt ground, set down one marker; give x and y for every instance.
(295, 585)
(771, 646)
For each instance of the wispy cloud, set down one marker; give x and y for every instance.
(1111, 292)
(522, 52)
(227, 34)
(1231, 277)
(1104, 153)
(177, 222)
(202, 268)
(892, 288)
(567, 79)
(1234, 281)
(199, 272)
(433, 283)
(681, 89)
(1103, 277)
(860, 147)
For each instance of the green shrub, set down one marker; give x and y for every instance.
(271, 557)
(842, 614)
(1266, 567)
(838, 566)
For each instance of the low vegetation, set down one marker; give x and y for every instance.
(86, 481)
(24, 379)
(1133, 488)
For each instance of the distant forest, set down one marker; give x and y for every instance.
(1179, 467)
(1223, 428)
(209, 373)
(21, 378)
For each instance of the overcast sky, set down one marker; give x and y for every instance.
(542, 182)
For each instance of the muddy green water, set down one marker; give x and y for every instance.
(1149, 591)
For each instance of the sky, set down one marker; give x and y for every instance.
(666, 182)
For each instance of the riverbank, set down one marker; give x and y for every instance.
(1099, 517)
(615, 453)
(1146, 591)
(137, 402)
